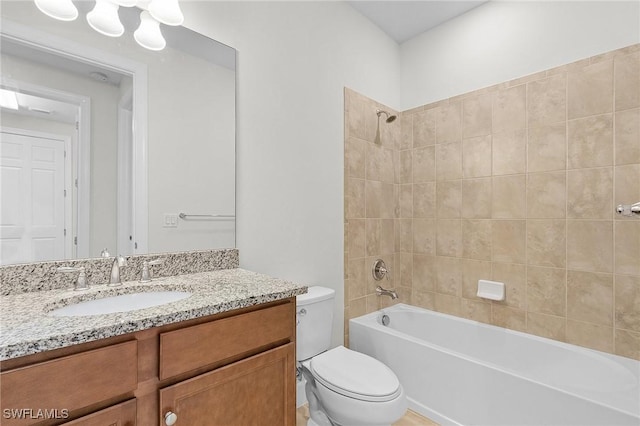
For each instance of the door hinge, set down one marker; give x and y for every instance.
(75, 240)
(65, 192)
(65, 154)
(65, 232)
(77, 125)
(76, 182)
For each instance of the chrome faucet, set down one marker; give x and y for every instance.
(118, 262)
(384, 292)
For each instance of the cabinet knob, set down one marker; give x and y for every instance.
(170, 418)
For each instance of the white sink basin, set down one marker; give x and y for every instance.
(122, 303)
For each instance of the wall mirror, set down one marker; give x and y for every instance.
(106, 144)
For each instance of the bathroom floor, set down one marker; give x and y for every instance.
(409, 419)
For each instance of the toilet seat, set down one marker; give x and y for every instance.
(355, 375)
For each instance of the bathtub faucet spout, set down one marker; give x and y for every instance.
(384, 292)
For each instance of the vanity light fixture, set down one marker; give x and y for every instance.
(105, 20)
(63, 10)
(148, 34)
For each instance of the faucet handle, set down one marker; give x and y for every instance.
(147, 274)
(81, 283)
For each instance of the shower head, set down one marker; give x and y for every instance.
(390, 118)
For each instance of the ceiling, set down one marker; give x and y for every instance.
(403, 20)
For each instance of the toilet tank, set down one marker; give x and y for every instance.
(314, 317)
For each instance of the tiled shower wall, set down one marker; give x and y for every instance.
(518, 183)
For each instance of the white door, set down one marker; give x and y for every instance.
(32, 183)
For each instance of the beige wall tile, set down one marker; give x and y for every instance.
(424, 199)
(509, 197)
(546, 195)
(508, 241)
(509, 109)
(514, 278)
(355, 150)
(424, 299)
(448, 304)
(449, 123)
(406, 131)
(449, 237)
(627, 247)
(373, 235)
(424, 236)
(383, 166)
(356, 238)
(424, 128)
(476, 156)
(355, 118)
(589, 335)
(590, 245)
(627, 136)
(389, 208)
(449, 199)
(357, 307)
(627, 343)
(424, 164)
(387, 237)
(590, 142)
(424, 272)
(590, 193)
(406, 235)
(373, 198)
(476, 198)
(590, 91)
(504, 316)
(476, 115)
(627, 81)
(547, 242)
(448, 276)
(354, 199)
(546, 290)
(406, 269)
(547, 326)
(449, 161)
(547, 100)
(476, 310)
(509, 152)
(627, 187)
(472, 271)
(406, 201)
(476, 239)
(406, 166)
(627, 302)
(590, 297)
(547, 148)
(357, 278)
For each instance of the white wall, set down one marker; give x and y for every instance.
(500, 41)
(294, 58)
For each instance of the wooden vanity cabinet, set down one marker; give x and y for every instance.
(233, 368)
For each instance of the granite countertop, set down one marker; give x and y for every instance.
(26, 328)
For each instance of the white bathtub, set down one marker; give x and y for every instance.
(457, 371)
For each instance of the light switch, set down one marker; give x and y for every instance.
(170, 221)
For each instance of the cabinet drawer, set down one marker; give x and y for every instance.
(117, 415)
(193, 347)
(71, 382)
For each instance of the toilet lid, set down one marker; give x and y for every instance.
(355, 375)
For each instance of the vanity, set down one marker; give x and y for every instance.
(223, 356)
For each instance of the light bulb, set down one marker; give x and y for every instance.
(104, 19)
(63, 10)
(166, 11)
(148, 34)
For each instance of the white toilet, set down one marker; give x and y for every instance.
(344, 387)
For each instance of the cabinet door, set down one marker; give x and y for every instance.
(123, 414)
(256, 391)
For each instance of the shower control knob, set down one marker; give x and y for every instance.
(170, 418)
